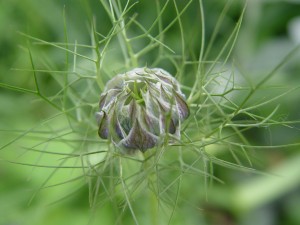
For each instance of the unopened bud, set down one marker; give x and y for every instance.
(138, 108)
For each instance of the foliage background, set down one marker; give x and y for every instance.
(269, 31)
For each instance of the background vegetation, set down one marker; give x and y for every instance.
(39, 39)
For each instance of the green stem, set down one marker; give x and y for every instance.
(149, 169)
(124, 38)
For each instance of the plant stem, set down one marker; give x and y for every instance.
(133, 59)
(149, 169)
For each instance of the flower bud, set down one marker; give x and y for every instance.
(138, 108)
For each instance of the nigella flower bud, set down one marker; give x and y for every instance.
(138, 108)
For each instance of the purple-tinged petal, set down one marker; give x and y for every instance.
(116, 127)
(183, 108)
(103, 126)
(140, 139)
(102, 101)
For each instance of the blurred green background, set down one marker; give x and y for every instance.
(269, 31)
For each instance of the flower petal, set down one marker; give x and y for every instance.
(139, 138)
(183, 108)
(103, 125)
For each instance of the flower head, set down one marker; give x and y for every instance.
(138, 108)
